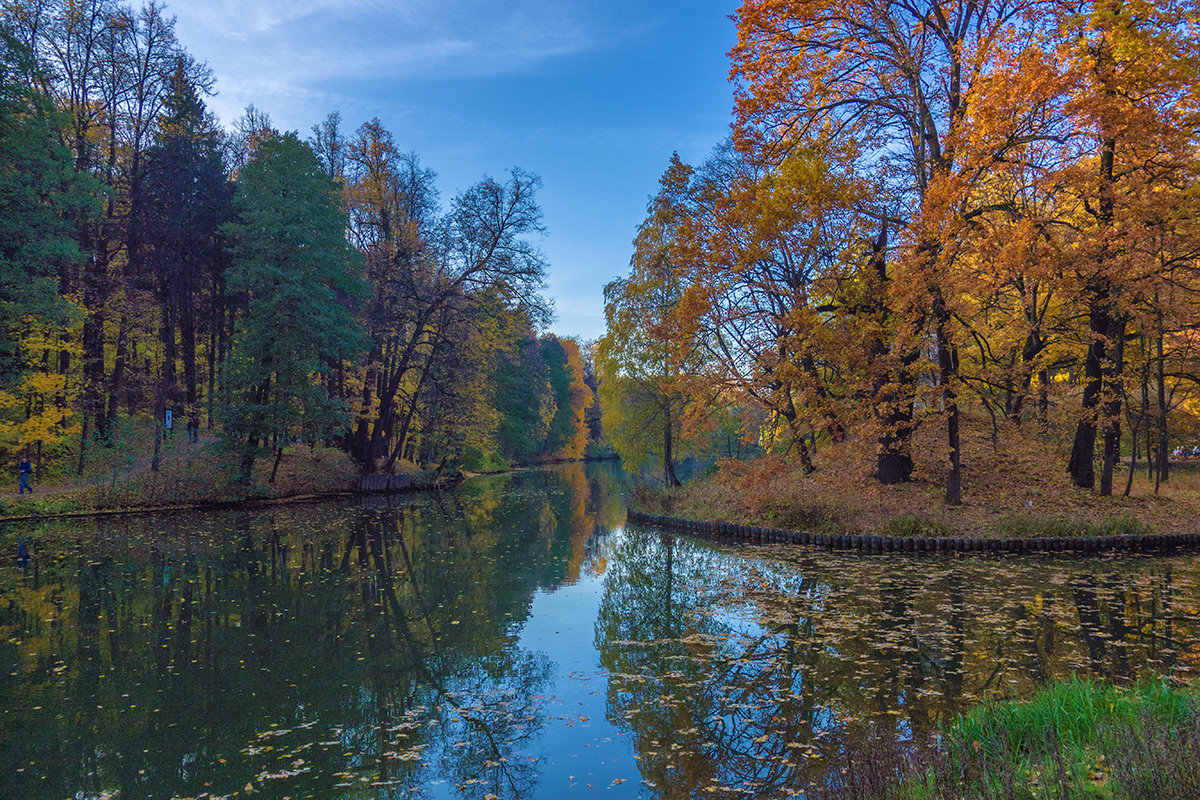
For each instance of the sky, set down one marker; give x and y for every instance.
(591, 95)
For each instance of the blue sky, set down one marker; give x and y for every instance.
(592, 95)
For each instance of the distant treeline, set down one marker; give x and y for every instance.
(270, 288)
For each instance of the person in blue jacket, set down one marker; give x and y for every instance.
(24, 470)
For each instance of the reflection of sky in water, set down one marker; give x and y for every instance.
(579, 753)
(322, 649)
(580, 746)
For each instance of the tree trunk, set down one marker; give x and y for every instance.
(669, 476)
(948, 368)
(894, 411)
(95, 296)
(83, 438)
(1133, 456)
(187, 340)
(1100, 326)
(166, 382)
(797, 442)
(406, 426)
(1083, 449)
(1113, 391)
(214, 329)
(1164, 463)
(116, 384)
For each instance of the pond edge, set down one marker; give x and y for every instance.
(1145, 543)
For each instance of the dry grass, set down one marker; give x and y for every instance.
(200, 475)
(1022, 475)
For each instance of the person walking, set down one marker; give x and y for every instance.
(24, 470)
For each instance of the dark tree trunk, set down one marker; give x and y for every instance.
(401, 437)
(1029, 351)
(1101, 326)
(894, 463)
(187, 341)
(1083, 450)
(166, 382)
(669, 476)
(1164, 464)
(948, 367)
(116, 384)
(1113, 391)
(893, 409)
(211, 354)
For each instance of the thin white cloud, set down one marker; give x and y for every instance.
(278, 54)
(360, 38)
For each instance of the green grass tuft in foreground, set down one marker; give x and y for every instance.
(1074, 740)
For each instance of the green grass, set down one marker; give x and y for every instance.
(1079, 739)
(1025, 526)
(1075, 740)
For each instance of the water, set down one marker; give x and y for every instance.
(514, 639)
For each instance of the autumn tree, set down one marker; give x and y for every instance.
(568, 434)
(1133, 96)
(774, 253)
(891, 81)
(481, 248)
(644, 361)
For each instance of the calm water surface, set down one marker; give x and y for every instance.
(514, 639)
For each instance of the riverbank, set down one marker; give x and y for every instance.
(1018, 491)
(189, 477)
(203, 477)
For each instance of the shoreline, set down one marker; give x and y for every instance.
(363, 486)
(250, 502)
(1157, 543)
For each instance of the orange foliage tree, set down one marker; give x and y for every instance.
(773, 262)
(1036, 158)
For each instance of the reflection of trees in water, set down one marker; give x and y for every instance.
(757, 688)
(688, 684)
(306, 646)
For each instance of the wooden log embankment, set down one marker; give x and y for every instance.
(383, 483)
(380, 484)
(1157, 543)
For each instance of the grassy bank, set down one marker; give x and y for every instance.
(189, 475)
(1018, 489)
(1077, 740)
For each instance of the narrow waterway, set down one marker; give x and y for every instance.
(514, 638)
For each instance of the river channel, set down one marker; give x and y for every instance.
(515, 639)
